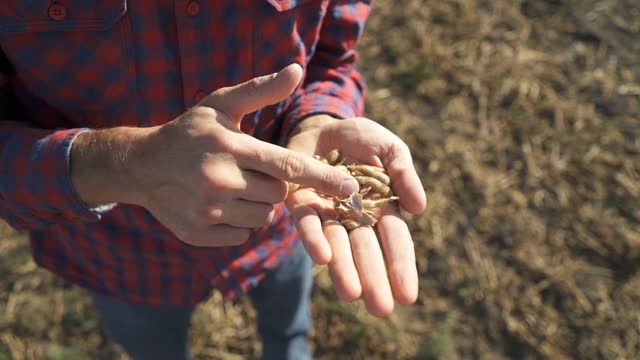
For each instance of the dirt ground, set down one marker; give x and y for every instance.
(524, 121)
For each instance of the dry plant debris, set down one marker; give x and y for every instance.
(364, 207)
(523, 118)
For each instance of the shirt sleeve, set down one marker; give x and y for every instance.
(332, 84)
(35, 186)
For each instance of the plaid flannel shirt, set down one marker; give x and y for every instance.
(68, 66)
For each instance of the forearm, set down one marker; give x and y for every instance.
(332, 84)
(101, 165)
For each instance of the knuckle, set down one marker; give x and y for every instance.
(220, 92)
(241, 186)
(202, 112)
(214, 215)
(237, 146)
(357, 125)
(329, 178)
(256, 83)
(293, 165)
(219, 185)
(393, 150)
(227, 143)
(396, 150)
(350, 294)
(223, 183)
(246, 147)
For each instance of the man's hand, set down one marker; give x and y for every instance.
(356, 259)
(199, 175)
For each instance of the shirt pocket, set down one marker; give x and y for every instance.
(70, 54)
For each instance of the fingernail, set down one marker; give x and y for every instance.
(348, 187)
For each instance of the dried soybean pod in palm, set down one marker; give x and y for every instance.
(370, 204)
(382, 177)
(320, 158)
(376, 185)
(333, 157)
(293, 187)
(343, 168)
(372, 171)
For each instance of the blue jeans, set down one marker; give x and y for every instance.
(281, 300)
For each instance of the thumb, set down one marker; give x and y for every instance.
(239, 100)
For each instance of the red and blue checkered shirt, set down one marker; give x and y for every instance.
(68, 66)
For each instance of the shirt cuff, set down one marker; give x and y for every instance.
(39, 190)
(80, 209)
(314, 105)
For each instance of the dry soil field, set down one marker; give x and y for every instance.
(524, 120)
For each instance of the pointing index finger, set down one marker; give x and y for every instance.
(297, 168)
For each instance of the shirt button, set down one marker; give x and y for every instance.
(199, 96)
(57, 12)
(193, 8)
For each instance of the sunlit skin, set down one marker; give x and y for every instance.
(356, 258)
(211, 184)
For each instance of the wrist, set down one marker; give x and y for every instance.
(313, 122)
(101, 165)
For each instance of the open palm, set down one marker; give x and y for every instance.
(356, 259)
